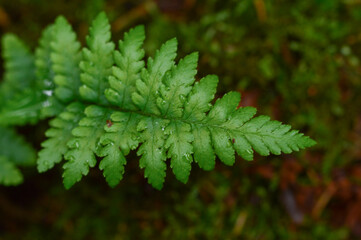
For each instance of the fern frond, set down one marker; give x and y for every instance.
(177, 85)
(152, 150)
(84, 144)
(97, 61)
(19, 67)
(18, 151)
(19, 104)
(96, 68)
(45, 74)
(9, 174)
(129, 63)
(57, 78)
(59, 135)
(121, 136)
(14, 151)
(198, 103)
(43, 64)
(21, 109)
(156, 108)
(151, 78)
(65, 59)
(57, 66)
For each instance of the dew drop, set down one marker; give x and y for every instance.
(182, 97)
(46, 104)
(48, 93)
(187, 156)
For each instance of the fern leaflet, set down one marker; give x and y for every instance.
(17, 153)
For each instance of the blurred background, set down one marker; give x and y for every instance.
(297, 61)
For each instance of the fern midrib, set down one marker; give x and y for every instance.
(178, 134)
(153, 144)
(203, 124)
(124, 89)
(173, 94)
(148, 97)
(101, 83)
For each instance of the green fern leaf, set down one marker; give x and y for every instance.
(121, 136)
(18, 153)
(129, 63)
(156, 108)
(51, 106)
(22, 109)
(57, 72)
(59, 135)
(9, 174)
(44, 71)
(85, 144)
(195, 108)
(19, 104)
(65, 59)
(152, 150)
(174, 119)
(19, 67)
(97, 61)
(96, 68)
(151, 78)
(177, 85)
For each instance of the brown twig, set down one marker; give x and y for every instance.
(240, 222)
(140, 11)
(323, 201)
(4, 18)
(261, 10)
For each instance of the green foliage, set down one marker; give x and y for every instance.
(58, 136)
(9, 174)
(19, 104)
(97, 61)
(158, 108)
(19, 67)
(13, 152)
(289, 56)
(65, 57)
(45, 73)
(14, 91)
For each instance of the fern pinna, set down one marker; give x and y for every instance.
(18, 78)
(107, 102)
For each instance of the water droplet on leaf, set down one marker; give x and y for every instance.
(182, 98)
